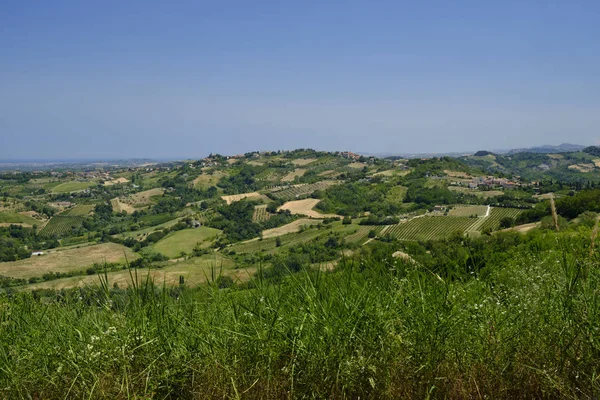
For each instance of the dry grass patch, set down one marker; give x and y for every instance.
(329, 173)
(357, 165)
(116, 181)
(237, 197)
(457, 174)
(303, 161)
(194, 271)
(74, 259)
(118, 206)
(293, 175)
(583, 167)
(522, 228)
(207, 180)
(292, 227)
(305, 207)
(467, 211)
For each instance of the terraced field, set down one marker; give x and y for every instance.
(431, 228)
(496, 214)
(297, 191)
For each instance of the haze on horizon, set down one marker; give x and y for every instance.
(152, 79)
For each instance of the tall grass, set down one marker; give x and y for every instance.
(375, 328)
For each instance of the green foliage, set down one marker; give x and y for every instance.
(456, 323)
(355, 198)
(572, 206)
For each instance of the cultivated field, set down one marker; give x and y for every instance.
(481, 193)
(10, 217)
(293, 175)
(303, 161)
(194, 271)
(260, 213)
(80, 210)
(141, 199)
(357, 165)
(184, 241)
(61, 224)
(141, 234)
(362, 233)
(237, 197)
(205, 181)
(289, 228)
(431, 228)
(119, 206)
(72, 186)
(496, 214)
(467, 211)
(116, 181)
(301, 190)
(305, 207)
(74, 259)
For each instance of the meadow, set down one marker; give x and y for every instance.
(67, 260)
(184, 241)
(522, 326)
(72, 186)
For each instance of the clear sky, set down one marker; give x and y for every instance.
(105, 79)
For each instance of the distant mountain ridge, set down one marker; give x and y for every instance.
(561, 148)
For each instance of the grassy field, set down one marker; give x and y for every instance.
(268, 245)
(79, 210)
(72, 186)
(74, 259)
(289, 228)
(205, 181)
(480, 193)
(184, 241)
(10, 217)
(293, 175)
(195, 271)
(467, 211)
(375, 328)
(141, 233)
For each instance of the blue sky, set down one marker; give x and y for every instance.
(183, 79)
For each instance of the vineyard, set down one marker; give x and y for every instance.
(362, 233)
(260, 214)
(296, 192)
(431, 228)
(497, 213)
(77, 211)
(59, 225)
